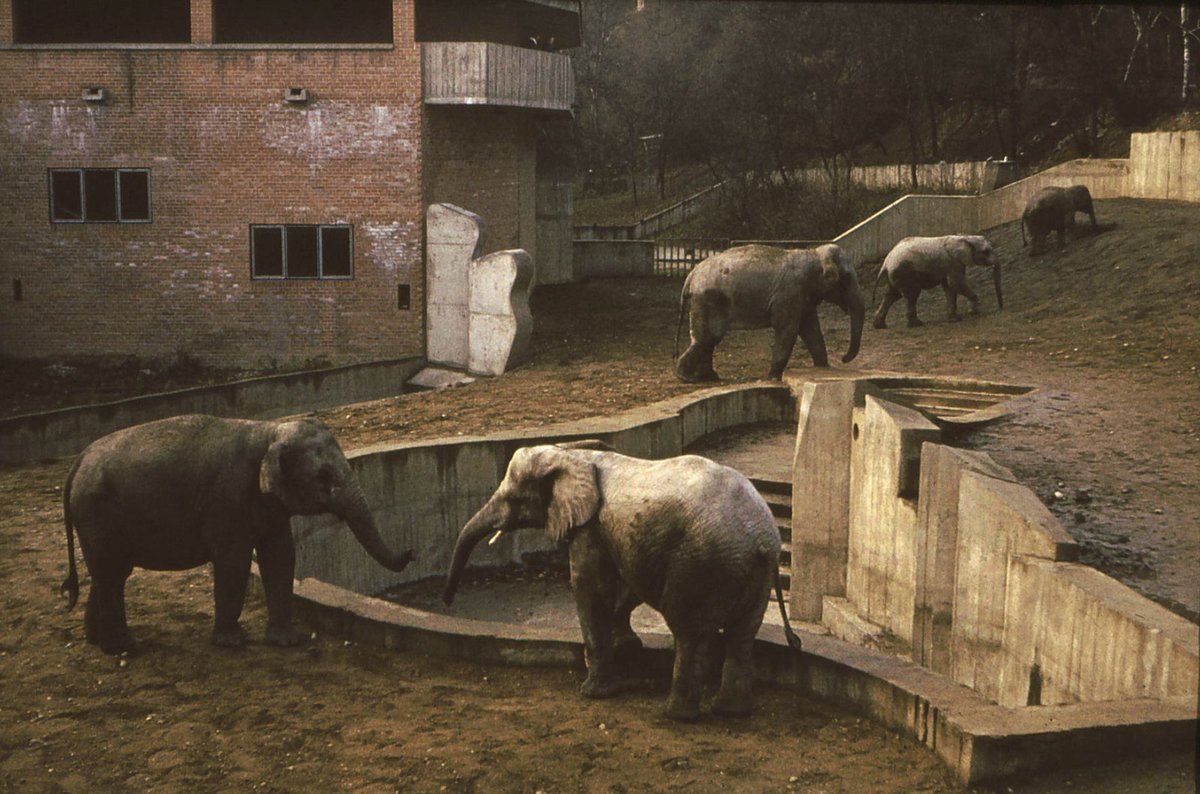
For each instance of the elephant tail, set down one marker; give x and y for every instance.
(684, 300)
(70, 585)
(793, 639)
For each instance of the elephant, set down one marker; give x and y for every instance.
(178, 493)
(761, 286)
(916, 264)
(1053, 209)
(689, 537)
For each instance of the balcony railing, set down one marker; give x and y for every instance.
(484, 73)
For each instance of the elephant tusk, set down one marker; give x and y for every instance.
(496, 537)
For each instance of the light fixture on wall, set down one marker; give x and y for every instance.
(94, 94)
(296, 96)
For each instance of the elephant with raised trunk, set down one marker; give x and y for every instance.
(687, 536)
(916, 264)
(189, 490)
(1053, 209)
(761, 286)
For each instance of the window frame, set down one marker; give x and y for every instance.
(83, 203)
(283, 229)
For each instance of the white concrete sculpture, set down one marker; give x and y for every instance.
(453, 238)
(477, 309)
(500, 323)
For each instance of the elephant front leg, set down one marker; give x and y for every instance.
(277, 567)
(687, 676)
(814, 340)
(624, 637)
(231, 572)
(597, 588)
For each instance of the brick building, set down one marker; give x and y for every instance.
(244, 181)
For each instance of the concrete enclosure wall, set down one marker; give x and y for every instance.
(424, 492)
(66, 432)
(1161, 165)
(613, 258)
(949, 559)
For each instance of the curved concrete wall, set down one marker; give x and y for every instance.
(424, 492)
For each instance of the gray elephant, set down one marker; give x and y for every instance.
(688, 536)
(181, 492)
(1053, 209)
(761, 286)
(916, 264)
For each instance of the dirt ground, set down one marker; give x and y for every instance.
(1107, 330)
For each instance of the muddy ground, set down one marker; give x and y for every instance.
(1107, 330)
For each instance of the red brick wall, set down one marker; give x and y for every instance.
(224, 151)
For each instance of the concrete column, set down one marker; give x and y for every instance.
(821, 495)
(499, 322)
(885, 466)
(453, 237)
(202, 22)
(942, 468)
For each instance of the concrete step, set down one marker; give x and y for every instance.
(766, 485)
(780, 504)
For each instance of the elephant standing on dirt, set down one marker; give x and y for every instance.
(181, 492)
(688, 536)
(1053, 209)
(916, 264)
(761, 286)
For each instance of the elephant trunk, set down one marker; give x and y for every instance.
(357, 515)
(857, 309)
(480, 526)
(996, 282)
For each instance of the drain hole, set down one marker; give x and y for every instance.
(1035, 686)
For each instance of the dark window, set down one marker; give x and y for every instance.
(302, 251)
(302, 22)
(99, 195)
(92, 22)
(66, 195)
(135, 195)
(335, 251)
(266, 251)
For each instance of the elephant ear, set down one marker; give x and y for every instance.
(833, 263)
(568, 484)
(270, 473)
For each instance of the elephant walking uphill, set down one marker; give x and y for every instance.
(760, 286)
(181, 492)
(1052, 209)
(916, 264)
(687, 536)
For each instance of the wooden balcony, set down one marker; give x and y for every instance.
(484, 73)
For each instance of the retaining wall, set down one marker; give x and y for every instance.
(67, 431)
(962, 568)
(424, 492)
(612, 258)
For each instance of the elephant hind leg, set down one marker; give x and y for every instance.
(104, 619)
(910, 298)
(691, 649)
(708, 322)
(889, 300)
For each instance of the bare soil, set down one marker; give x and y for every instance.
(1106, 329)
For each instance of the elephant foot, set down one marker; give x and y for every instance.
(682, 711)
(597, 688)
(878, 323)
(285, 636)
(731, 707)
(230, 637)
(914, 323)
(122, 643)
